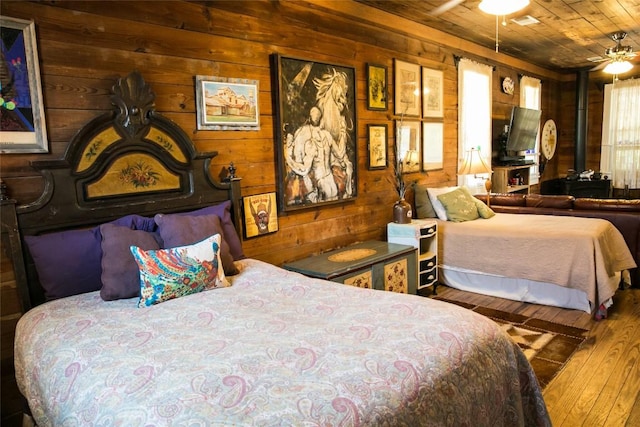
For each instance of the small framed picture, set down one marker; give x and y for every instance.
(407, 89)
(376, 87)
(377, 146)
(432, 146)
(432, 93)
(409, 144)
(227, 104)
(260, 214)
(23, 127)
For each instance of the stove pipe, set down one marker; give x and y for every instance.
(582, 103)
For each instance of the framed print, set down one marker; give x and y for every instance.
(316, 132)
(377, 142)
(407, 89)
(227, 104)
(22, 110)
(432, 146)
(260, 214)
(376, 87)
(409, 144)
(432, 93)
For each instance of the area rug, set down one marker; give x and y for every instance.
(547, 345)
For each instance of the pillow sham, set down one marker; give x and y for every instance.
(120, 276)
(69, 262)
(483, 210)
(166, 274)
(223, 210)
(424, 208)
(441, 213)
(177, 230)
(459, 206)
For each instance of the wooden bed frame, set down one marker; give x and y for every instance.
(129, 161)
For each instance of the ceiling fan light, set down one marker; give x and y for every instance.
(502, 7)
(618, 67)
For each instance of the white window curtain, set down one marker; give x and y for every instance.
(531, 97)
(474, 118)
(620, 152)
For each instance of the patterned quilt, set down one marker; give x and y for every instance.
(274, 349)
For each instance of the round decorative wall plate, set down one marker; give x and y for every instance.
(508, 85)
(549, 139)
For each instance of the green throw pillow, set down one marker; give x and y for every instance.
(424, 208)
(459, 206)
(483, 210)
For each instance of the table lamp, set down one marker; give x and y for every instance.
(474, 164)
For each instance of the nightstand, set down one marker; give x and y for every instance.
(423, 235)
(371, 264)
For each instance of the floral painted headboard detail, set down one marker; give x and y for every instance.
(131, 160)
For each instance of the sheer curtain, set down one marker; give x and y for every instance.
(474, 118)
(531, 97)
(620, 155)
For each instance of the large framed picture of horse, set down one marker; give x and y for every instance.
(315, 132)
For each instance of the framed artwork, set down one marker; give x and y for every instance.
(407, 89)
(432, 93)
(22, 110)
(432, 146)
(377, 87)
(260, 214)
(227, 104)
(316, 132)
(377, 143)
(409, 144)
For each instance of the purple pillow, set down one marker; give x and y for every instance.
(184, 230)
(223, 210)
(68, 262)
(120, 274)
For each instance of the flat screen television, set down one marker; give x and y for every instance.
(523, 130)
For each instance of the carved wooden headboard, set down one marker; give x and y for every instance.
(129, 161)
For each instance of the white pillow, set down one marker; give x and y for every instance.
(437, 205)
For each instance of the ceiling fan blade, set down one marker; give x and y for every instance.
(600, 66)
(445, 7)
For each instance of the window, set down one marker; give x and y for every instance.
(531, 97)
(620, 153)
(474, 118)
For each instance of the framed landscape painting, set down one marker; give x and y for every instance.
(22, 111)
(316, 132)
(227, 104)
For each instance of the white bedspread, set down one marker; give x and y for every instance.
(276, 348)
(574, 252)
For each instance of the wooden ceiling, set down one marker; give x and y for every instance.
(568, 33)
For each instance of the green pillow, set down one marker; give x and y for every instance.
(483, 210)
(424, 208)
(459, 206)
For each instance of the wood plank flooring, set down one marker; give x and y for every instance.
(600, 385)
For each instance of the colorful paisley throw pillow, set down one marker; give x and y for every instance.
(175, 272)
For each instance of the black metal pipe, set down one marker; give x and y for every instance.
(582, 105)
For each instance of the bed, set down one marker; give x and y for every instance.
(568, 262)
(258, 345)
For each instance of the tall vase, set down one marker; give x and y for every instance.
(402, 212)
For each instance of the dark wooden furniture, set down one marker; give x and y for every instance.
(595, 188)
(371, 264)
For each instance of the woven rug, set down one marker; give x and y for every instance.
(547, 345)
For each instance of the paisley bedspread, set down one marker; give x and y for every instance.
(275, 348)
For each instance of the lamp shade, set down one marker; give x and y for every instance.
(618, 67)
(474, 164)
(502, 7)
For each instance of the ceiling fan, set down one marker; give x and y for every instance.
(615, 55)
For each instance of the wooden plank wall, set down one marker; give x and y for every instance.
(85, 46)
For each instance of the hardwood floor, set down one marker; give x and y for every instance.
(600, 385)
